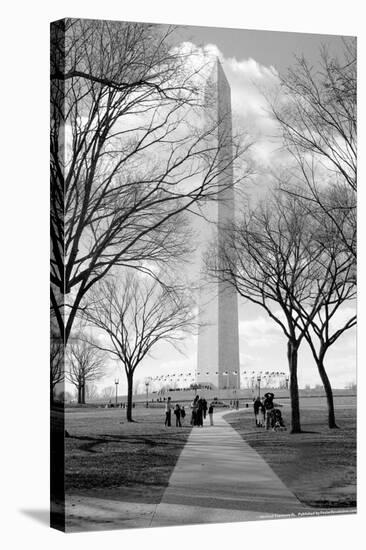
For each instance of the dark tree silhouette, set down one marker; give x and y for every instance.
(136, 313)
(270, 259)
(131, 149)
(56, 365)
(299, 270)
(85, 364)
(317, 113)
(334, 287)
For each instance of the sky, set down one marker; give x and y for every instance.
(268, 48)
(252, 61)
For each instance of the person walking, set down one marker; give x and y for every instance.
(182, 413)
(199, 413)
(168, 412)
(210, 414)
(268, 407)
(258, 412)
(204, 407)
(177, 412)
(194, 407)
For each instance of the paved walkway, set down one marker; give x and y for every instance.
(218, 478)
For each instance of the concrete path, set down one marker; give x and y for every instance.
(220, 478)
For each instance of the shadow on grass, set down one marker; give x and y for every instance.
(330, 504)
(304, 432)
(92, 442)
(152, 440)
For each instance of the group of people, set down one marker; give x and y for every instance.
(199, 408)
(266, 414)
(179, 413)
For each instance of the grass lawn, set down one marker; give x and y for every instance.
(109, 456)
(319, 466)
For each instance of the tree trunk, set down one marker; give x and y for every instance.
(83, 393)
(52, 399)
(328, 391)
(79, 394)
(292, 351)
(129, 396)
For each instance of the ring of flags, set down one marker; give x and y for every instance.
(252, 377)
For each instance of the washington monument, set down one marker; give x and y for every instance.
(218, 336)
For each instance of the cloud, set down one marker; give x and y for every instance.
(251, 83)
(260, 332)
(342, 316)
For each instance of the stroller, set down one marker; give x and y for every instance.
(276, 420)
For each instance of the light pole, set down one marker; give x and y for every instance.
(225, 373)
(235, 387)
(259, 384)
(147, 392)
(116, 381)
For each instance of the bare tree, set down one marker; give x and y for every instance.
(107, 392)
(56, 365)
(129, 153)
(334, 287)
(135, 314)
(270, 259)
(91, 392)
(85, 364)
(317, 112)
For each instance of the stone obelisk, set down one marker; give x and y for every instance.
(218, 336)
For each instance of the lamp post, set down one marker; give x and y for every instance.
(259, 384)
(116, 381)
(235, 388)
(225, 373)
(147, 392)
